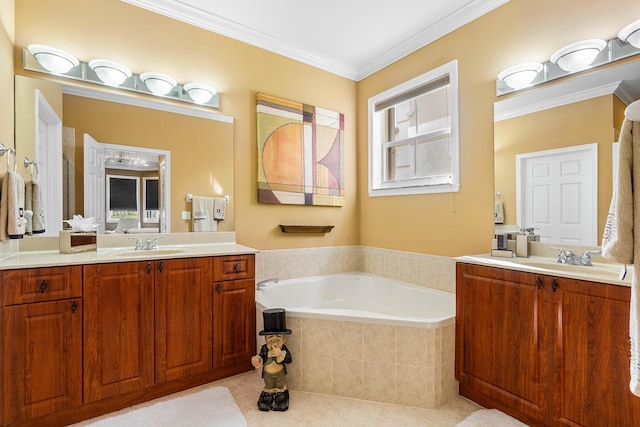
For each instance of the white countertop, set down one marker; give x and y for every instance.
(121, 249)
(601, 272)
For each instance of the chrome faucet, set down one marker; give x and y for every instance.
(147, 245)
(261, 284)
(568, 257)
(586, 257)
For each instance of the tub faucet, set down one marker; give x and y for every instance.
(262, 283)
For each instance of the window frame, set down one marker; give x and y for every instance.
(377, 159)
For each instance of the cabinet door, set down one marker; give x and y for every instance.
(183, 307)
(118, 328)
(502, 340)
(42, 358)
(592, 351)
(234, 322)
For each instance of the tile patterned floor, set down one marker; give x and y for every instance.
(320, 410)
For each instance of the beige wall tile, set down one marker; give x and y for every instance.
(411, 346)
(411, 388)
(348, 377)
(316, 337)
(401, 266)
(347, 340)
(379, 343)
(380, 381)
(316, 372)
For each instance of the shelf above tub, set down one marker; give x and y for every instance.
(306, 228)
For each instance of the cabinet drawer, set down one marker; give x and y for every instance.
(41, 284)
(233, 267)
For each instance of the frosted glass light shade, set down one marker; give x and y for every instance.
(200, 93)
(53, 59)
(520, 75)
(111, 73)
(579, 55)
(631, 34)
(159, 84)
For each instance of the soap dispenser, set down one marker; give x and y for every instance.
(522, 244)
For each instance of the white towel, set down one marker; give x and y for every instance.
(219, 208)
(202, 213)
(28, 207)
(38, 211)
(618, 243)
(12, 221)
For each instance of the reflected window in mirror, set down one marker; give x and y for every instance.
(122, 197)
(413, 135)
(151, 200)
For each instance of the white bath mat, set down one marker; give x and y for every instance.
(212, 407)
(490, 418)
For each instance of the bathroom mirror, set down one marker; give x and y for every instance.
(200, 143)
(583, 113)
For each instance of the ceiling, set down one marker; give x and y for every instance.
(350, 38)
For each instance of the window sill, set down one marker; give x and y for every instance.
(409, 191)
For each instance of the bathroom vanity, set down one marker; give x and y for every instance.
(87, 334)
(548, 346)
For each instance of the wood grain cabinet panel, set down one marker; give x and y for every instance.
(184, 317)
(547, 350)
(118, 328)
(234, 322)
(42, 358)
(502, 338)
(24, 286)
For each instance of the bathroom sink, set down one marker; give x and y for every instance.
(598, 269)
(149, 253)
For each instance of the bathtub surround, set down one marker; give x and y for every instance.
(419, 363)
(437, 272)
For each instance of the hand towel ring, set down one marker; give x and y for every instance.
(31, 164)
(12, 151)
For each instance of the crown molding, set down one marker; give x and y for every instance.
(444, 26)
(177, 9)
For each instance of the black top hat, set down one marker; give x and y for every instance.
(275, 322)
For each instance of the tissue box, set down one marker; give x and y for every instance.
(72, 242)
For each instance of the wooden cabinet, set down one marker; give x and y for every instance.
(590, 338)
(547, 350)
(234, 310)
(42, 341)
(79, 341)
(183, 313)
(118, 328)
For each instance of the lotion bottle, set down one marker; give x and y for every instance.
(522, 244)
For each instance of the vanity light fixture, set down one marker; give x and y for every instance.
(158, 84)
(521, 75)
(53, 59)
(631, 34)
(200, 93)
(110, 72)
(579, 55)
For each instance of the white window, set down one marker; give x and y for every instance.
(413, 136)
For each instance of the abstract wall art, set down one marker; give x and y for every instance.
(300, 153)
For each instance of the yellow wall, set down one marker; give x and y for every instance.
(146, 41)
(6, 74)
(559, 127)
(460, 223)
(519, 31)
